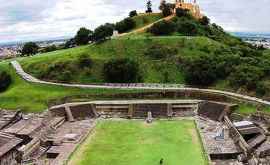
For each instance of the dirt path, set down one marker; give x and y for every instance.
(142, 29)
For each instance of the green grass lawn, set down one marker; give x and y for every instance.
(137, 143)
(246, 109)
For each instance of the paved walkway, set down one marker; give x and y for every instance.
(179, 87)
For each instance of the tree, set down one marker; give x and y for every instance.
(125, 25)
(83, 36)
(30, 48)
(246, 75)
(133, 13)
(182, 12)
(204, 20)
(149, 7)
(167, 10)
(162, 5)
(200, 70)
(70, 43)
(103, 32)
(163, 28)
(5, 80)
(122, 71)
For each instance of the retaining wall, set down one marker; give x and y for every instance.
(128, 109)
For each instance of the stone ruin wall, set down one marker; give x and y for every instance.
(84, 110)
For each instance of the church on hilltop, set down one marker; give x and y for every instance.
(190, 5)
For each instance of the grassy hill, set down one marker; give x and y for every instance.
(153, 70)
(181, 51)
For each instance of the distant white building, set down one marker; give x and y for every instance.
(115, 34)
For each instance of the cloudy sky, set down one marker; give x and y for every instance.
(42, 19)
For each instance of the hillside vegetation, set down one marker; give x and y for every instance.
(51, 66)
(180, 50)
(145, 19)
(207, 57)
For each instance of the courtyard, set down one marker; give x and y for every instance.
(133, 142)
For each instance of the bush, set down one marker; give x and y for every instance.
(200, 70)
(83, 36)
(263, 88)
(245, 75)
(60, 71)
(30, 48)
(133, 13)
(50, 48)
(160, 52)
(187, 27)
(85, 61)
(5, 80)
(163, 28)
(122, 71)
(125, 25)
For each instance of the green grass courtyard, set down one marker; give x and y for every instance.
(137, 143)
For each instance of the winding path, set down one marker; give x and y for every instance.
(29, 78)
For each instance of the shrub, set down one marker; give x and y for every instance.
(125, 25)
(160, 52)
(60, 71)
(200, 70)
(163, 28)
(122, 71)
(133, 13)
(30, 48)
(85, 61)
(65, 76)
(5, 80)
(50, 48)
(187, 27)
(245, 75)
(263, 88)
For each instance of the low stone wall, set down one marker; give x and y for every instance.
(127, 109)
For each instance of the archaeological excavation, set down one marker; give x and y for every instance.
(51, 137)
